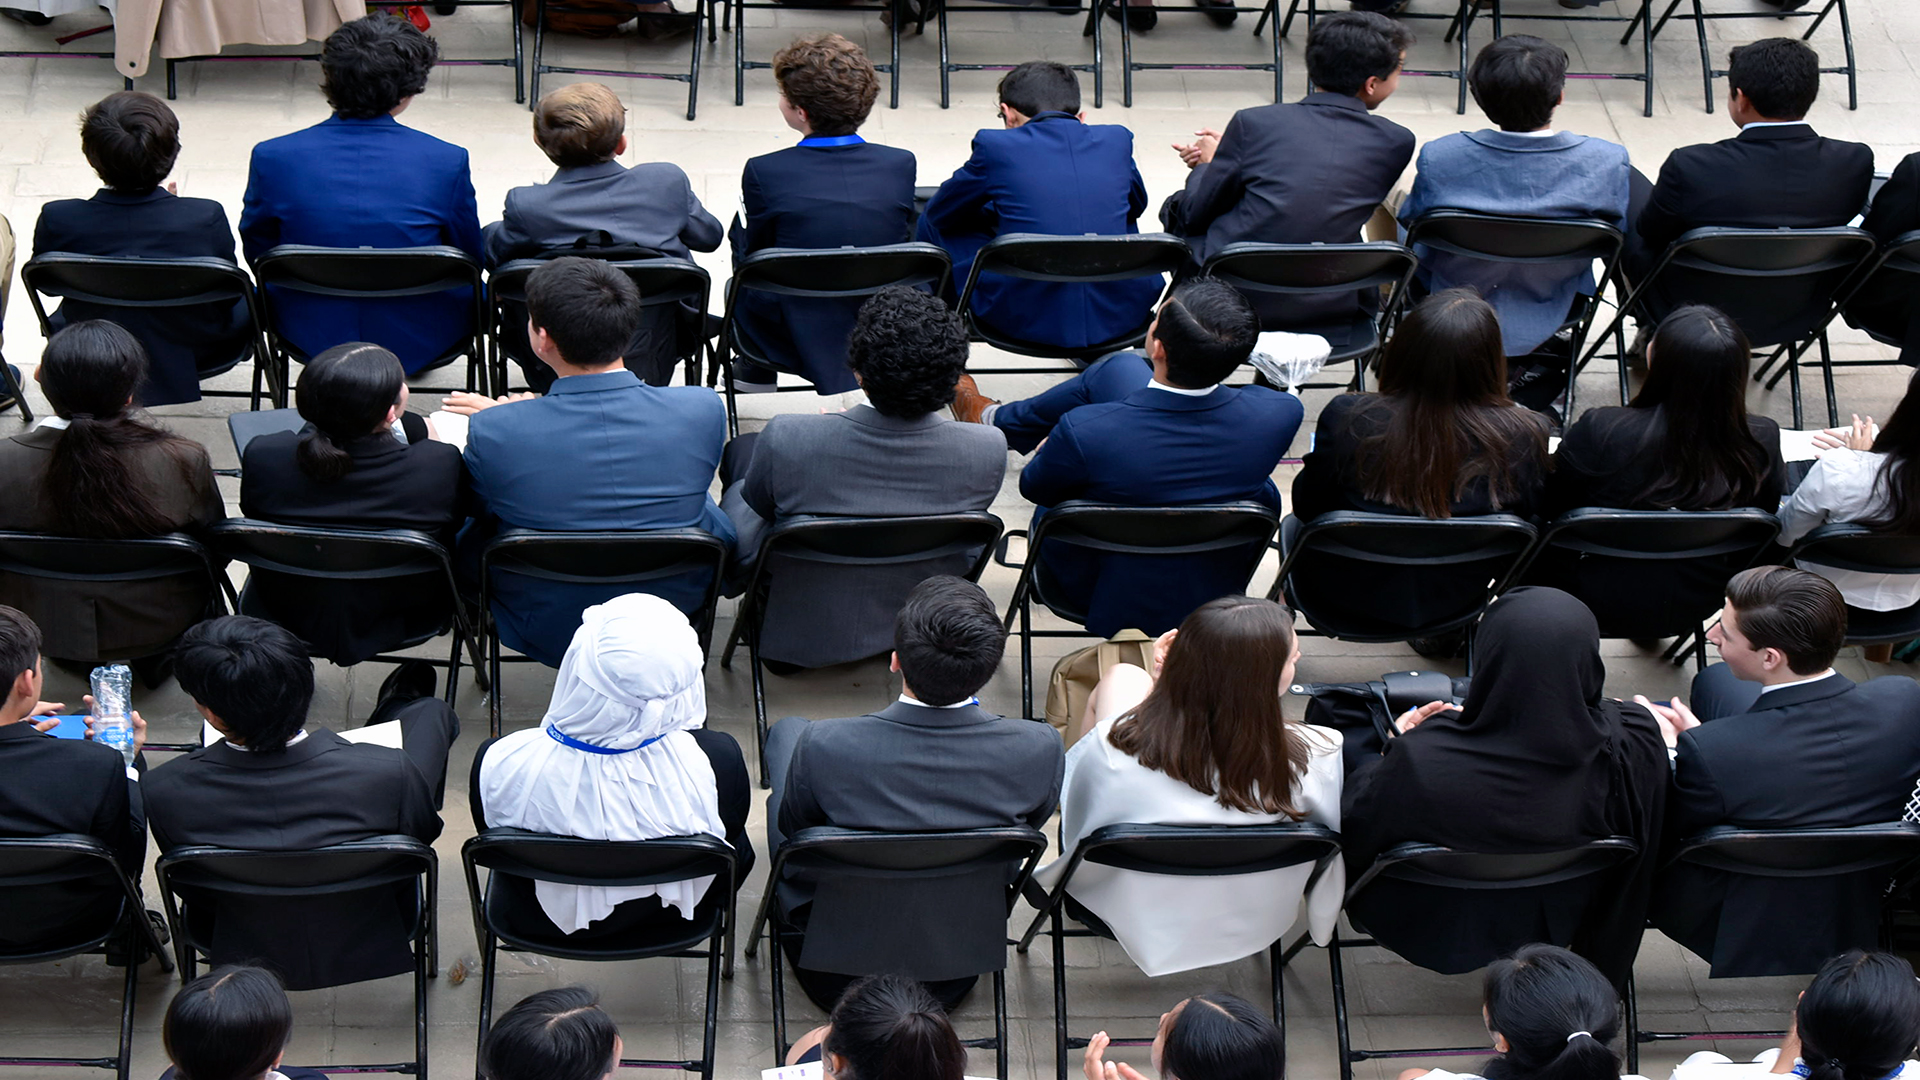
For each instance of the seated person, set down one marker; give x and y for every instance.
(832, 190)
(646, 461)
(1047, 172)
(96, 469)
(1890, 313)
(270, 785)
(1210, 1035)
(1552, 764)
(1792, 744)
(1440, 439)
(884, 1026)
(10, 376)
(361, 179)
(1182, 439)
(232, 1023)
(132, 140)
(1270, 178)
(1551, 1014)
(1855, 1021)
(557, 1034)
(593, 201)
(1869, 482)
(348, 470)
(934, 760)
(1524, 169)
(1182, 746)
(896, 456)
(623, 753)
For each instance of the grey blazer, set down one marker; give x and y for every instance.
(650, 205)
(859, 463)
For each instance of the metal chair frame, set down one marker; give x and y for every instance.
(1899, 258)
(940, 8)
(1269, 11)
(1068, 260)
(1708, 72)
(661, 281)
(1391, 265)
(699, 14)
(735, 20)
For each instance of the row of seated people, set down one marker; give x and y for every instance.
(1045, 171)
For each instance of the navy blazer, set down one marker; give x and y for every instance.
(364, 183)
(600, 451)
(1157, 448)
(819, 194)
(1053, 175)
(180, 342)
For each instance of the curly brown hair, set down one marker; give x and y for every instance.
(830, 79)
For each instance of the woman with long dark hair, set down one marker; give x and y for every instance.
(1858, 1020)
(1201, 740)
(1552, 1016)
(99, 469)
(885, 1027)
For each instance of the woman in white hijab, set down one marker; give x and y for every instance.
(622, 754)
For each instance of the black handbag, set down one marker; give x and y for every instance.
(1364, 712)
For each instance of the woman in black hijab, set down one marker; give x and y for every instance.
(1534, 761)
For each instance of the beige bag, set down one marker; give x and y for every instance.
(1077, 673)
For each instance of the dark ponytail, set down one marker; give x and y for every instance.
(344, 393)
(1860, 1017)
(888, 1027)
(1558, 1014)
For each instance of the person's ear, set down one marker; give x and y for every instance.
(893, 663)
(620, 147)
(23, 686)
(834, 1064)
(1771, 658)
(1081, 116)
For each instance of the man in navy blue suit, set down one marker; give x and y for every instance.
(360, 179)
(601, 451)
(1046, 172)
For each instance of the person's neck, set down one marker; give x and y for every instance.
(564, 370)
(14, 711)
(1785, 675)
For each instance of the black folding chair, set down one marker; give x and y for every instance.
(824, 274)
(372, 559)
(665, 283)
(1236, 533)
(158, 284)
(375, 274)
(9, 383)
(110, 563)
(1855, 547)
(843, 862)
(27, 863)
(698, 14)
(1178, 851)
(1268, 273)
(1083, 260)
(1433, 866)
(191, 876)
(735, 20)
(1268, 10)
(622, 562)
(1457, 22)
(565, 860)
(871, 542)
(1891, 282)
(1700, 17)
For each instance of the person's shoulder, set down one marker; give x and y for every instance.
(690, 400)
(75, 757)
(60, 211)
(1892, 688)
(979, 438)
(418, 141)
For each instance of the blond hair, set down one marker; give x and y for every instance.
(579, 124)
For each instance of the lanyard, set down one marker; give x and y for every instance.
(565, 739)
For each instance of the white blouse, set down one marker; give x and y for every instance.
(1707, 1065)
(1840, 488)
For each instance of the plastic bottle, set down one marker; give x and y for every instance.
(113, 708)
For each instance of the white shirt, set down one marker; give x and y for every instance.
(1707, 1065)
(57, 423)
(1156, 384)
(297, 739)
(1771, 123)
(905, 700)
(1841, 487)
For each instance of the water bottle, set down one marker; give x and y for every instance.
(113, 708)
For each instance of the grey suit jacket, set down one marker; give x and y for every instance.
(859, 463)
(650, 205)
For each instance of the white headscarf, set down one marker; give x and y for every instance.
(612, 759)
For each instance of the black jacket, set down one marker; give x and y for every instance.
(50, 786)
(1891, 313)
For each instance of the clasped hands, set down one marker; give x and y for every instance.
(1200, 151)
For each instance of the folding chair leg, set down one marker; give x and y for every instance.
(1646, 55)
(453, 669)
(739, 79)
(489, 946)
(718, 946)
(759, 710)
(20, 392)
(1059, 992)
(1126, 56)
(1826, 375)
(127, 992)
(1276, 964)
(1846, 39)
(1632, 1027)
(777, 959)
(946, 71)
(1279, 88)
(493, 675)
(1000, 1037)
(1706, 55)
(760, 922)
(693, 64)
(420, 964)
(519, 58)
(1340, 1007)
(1026, 655)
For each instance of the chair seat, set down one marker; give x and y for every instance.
(635, 929)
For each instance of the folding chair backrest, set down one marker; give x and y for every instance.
(1447, 868)
(328, 871)
(1778, 284)
(840, 272)
(1499, 238)
(1209, 850)
(569, 860)
(1397, 540)
(1798, 853)
(878, 540)
(134, 283)
(1858, 548)
(1662, 535)
(611, 557)
(344, 554)
(368, 273)
(68, 558)
(1225, 530)
(661, 279)
(1305, 269)
(1480, 554)
(1088, 258)
(72, 861)
(1892, 278)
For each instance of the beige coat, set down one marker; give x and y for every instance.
(202, 27)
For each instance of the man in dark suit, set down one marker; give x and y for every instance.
(832, 190)
(601, 450)
(1183, 438)
(1046, 171)
(361, 179)
(1895, 212)
(934, 760)
(268, 785)
(896, 457)
(1787, 743)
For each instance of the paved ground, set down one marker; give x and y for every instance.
(226, 107)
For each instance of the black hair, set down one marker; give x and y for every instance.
(889, 1027)
(1898, 480)
(19, 647)
(1039, 86)
(1557, 1013)
(1223, 1037)
(1208, 330)
(949, 639)
(1517, 81)
(589, 309)
(1347, 48)
(131, 139)
(1796, 611)
(252, 674)
(344, 393)
(909, 350)
(1779, 75)
(558, 1034)
(372, 64)
(1860, 1017)
(230, 1024)
(1697, 377)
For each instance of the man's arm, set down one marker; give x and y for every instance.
(259, 227)
(702, 231)
(1028, 422)
(1058, 471)
(505, 238)
(463, 222)
(1215, 186)
(1896, 209)
(1696, 801)
(1660, 222)
(119, 821)
(960, 206)
(799, 807)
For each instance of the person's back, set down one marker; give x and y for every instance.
(1884, 310)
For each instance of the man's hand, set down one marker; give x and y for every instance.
(1092, 1067)
(46, 708)
(133, 719)
(466, 404)
(1674, 717)
(1413, 718)
(1201, 150)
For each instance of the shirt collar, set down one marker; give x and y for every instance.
(1156, 384)
(56, 423)
(1543, 133)
(1772, 123)
(1827, 674)
(905, 700)
(832, 140)
(298, 738)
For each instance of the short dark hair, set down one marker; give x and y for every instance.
(1796, 611)
(949, 639)
(1039, 86)
(1223, 1037)
(1347, 48)
(1208, 330)
(131, 139)
(558, 1034)
(589, 309)
(373, 63)
(230, 1024)
(254, 675)
(19, 646)
(1517, 80)
(909, 349)
(1779, 75)
(889, 1027)
(1860, 1017)
(830, 79)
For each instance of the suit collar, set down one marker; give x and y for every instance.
(1149, 398)
(21, 729)
(1338, 101)
(383, 120)
(868, 416)
(1830, 687)
(123, 198)
(377, 445)
(596, 382)
(1772, 132)
(1051, 114)
(318, 741)
(1526, 144)
(40, 438)
(580, 173)
(924, 716)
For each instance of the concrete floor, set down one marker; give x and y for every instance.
(226, 107)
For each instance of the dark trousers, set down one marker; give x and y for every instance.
(1717, 692)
